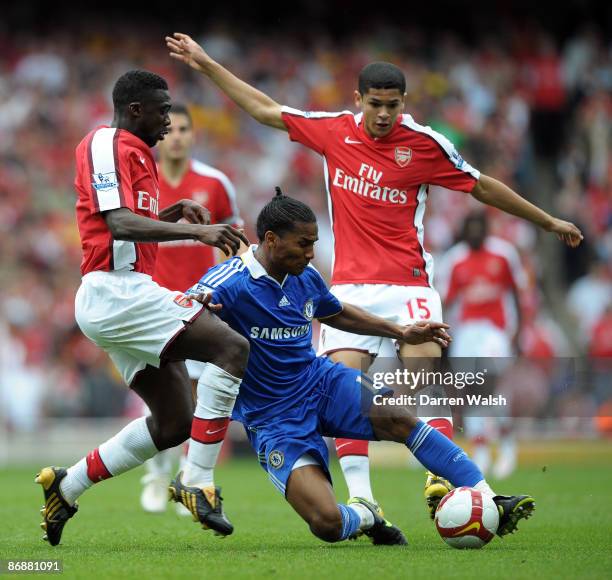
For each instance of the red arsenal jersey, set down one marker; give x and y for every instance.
(180, 264)
(481, 281)
(114, 169)
(377, 189)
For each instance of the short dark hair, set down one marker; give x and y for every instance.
(136, 85)
(181, 109)
(381, 75)
(281, 214)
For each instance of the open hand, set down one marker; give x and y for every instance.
(567, 232)
(427, 331)
(183, 48)
(205, 299)
(222, 236)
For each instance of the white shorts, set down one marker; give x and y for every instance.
(131, 317)
(480, 339)
(399, 304)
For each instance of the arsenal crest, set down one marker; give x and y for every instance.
(403, 156)
(183, 301)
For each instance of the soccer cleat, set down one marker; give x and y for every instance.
(512, 508)
(359, 533)
(382, 532)
(56, 511)
(154, 496)
(435, 489)
(205, 505)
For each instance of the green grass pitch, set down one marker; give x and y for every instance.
(568, 537)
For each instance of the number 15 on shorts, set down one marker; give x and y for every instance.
(417, 309)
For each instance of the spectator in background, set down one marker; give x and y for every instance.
(590, 296)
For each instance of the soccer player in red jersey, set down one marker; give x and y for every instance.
(482, 280)
(147, 330)
(378, 166)
(181, 262)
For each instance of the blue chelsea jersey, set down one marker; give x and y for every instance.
(277, 318)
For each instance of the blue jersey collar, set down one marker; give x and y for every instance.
(255, 268)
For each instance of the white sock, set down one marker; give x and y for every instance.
(200, 464)
(217, 392)
(160, 465)
(183, 459)
(131, 447)
(76, 482)
(507, 445)
(365, 515)
(483, 487)
(356, 470)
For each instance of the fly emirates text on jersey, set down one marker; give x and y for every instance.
(367, 185)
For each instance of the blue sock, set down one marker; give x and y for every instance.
(443, 457)
(350, 521)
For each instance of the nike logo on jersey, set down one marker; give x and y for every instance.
(284, 301)
(349, 141)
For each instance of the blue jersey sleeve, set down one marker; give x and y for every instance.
(213, 282)
(328, 304)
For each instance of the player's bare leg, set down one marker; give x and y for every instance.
(210, 340)
(435, 487)
(158, 472)
(181, 510)
(352, 453)
(311, 495)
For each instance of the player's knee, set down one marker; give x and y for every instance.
(233, 354)
(395, 427)
(327, 525)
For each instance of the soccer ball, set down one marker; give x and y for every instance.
(466, 518)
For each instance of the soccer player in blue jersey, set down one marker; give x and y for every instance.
(290, 398)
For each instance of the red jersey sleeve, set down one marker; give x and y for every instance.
(452, 289)
(310, 128)
(227, 208)
(109, 181)
(449, 169)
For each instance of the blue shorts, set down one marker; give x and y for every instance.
(337, 407)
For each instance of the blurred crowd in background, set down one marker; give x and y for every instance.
(531, 109)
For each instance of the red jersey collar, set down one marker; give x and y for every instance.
(132, 139)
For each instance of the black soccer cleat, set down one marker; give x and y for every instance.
(382, 532)
(512, 508)
(56, 511)
(205, 505)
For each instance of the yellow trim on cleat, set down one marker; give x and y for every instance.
(46, 477)
(435, 489)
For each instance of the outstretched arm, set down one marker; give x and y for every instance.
(126, 225)
(358, 321)
(495, 193)
(257, 104)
